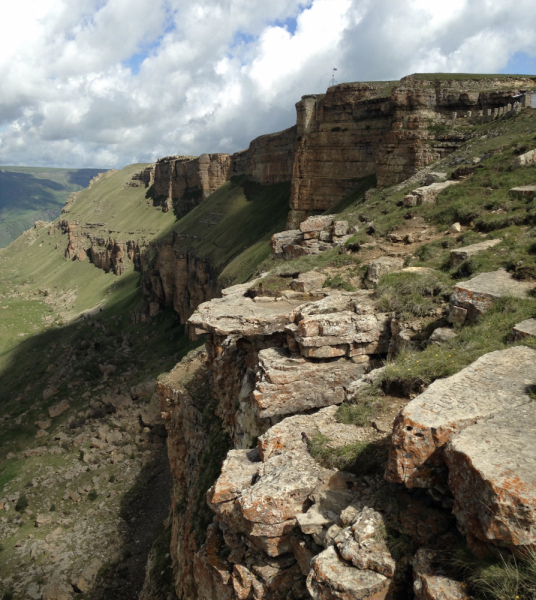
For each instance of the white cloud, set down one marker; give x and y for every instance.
(216, 73)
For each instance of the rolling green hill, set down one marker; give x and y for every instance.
(29, 194)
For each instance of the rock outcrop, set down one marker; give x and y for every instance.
(492, 384)
(472, 298)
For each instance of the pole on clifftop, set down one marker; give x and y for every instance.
(332, 81)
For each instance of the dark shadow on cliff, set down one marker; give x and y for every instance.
(143, 510)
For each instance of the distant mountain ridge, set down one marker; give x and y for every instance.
(29, 194)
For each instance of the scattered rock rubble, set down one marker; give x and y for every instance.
(316, 234)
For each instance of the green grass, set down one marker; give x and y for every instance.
(366, 405)
(412, 294)
(247, 215)
(490, 333)
(502, 577)
(361, 458)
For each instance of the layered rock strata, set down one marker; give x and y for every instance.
(182, 182)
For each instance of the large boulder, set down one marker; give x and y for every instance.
(472, 298)
(290, 384)
(495, 382)
(332, 578)
(458, 255)
(492, 474)
(381, 266)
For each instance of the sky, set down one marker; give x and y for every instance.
(106, 83)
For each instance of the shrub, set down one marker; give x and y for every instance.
(92, 495)
(22, 503)
(337, 282)
(112, 478)
(412, 294)
(52, 507)
(360, 457)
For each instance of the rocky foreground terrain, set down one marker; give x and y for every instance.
(303, 370)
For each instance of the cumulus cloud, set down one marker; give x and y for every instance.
(111, 82)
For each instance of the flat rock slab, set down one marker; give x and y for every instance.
(289, 384)
(523, 330)
(235, 313)
(492, 475)
(523, 192)
(460, 254)
(307, 282)
(495, 382)
(332, 578)
(476, 295)
(426, 194)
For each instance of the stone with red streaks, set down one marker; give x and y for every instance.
(492, 475)
(495, 382)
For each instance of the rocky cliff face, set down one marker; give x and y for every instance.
(392, 129)
(273, 373)
(177, 278)
(283, 524)
(182, 182)
(106, 253)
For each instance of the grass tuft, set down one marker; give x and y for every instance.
(498, 578)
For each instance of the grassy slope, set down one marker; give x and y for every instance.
(29, 194)
(246, 215)
(125, 212)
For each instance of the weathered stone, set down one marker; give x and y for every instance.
(331, 578)
(316, 223)
(492, 472)
(430, 582)
(340, 228)
(458, 255)
(41, 520)
(288, 384)
(525, 160)
(381, 266)
(422, 429)
(370, 553)
(434, 177)
(369, 331)
(441, 335)
(57, 409)
(478, 294)
(457, 315)
(308, 282)
(284, 238)
(237, 473)
(455, 228)
(427, 194)
(43, 423)
(85, 581)
(287, 435)
(57, 590)
(236, 313)
(525, 329)
(285, 481)
(523, 192)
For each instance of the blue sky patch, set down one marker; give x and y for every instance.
(520, 64)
